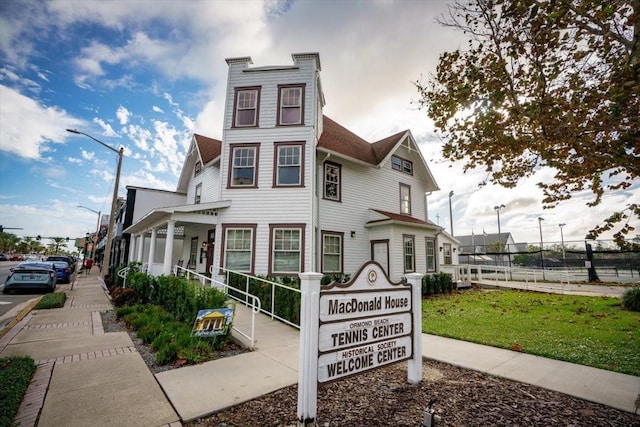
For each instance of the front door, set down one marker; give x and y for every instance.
(380, 253)
(211, 240)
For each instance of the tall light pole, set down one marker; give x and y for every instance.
(497, 209)
(95, 242)
(540, 219)
(114, 201)
(450, 211)
(564, 259)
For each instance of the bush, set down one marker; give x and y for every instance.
(15, 375)
(631, 299)
(55, 300)
(123, 296)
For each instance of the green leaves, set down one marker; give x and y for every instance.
(543, 84)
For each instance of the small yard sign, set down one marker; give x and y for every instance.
(212, 322)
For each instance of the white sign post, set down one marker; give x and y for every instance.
(349, 328)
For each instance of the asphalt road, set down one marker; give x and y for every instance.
(7, 302)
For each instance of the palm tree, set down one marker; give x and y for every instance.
(8, 242)
(57, 242)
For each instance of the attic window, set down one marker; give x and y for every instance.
(402, 165)
(197, 169)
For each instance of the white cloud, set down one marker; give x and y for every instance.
(106, 128)
(157, 109)
(123, 115)
(28, 127)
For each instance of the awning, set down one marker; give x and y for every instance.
(200, 213)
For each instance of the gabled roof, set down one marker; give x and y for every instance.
(209, 148)
(338, 139)
(480, 239)
(202, 149)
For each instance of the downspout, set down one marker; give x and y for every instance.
(318, 231)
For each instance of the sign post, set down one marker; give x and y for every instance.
(350, 328)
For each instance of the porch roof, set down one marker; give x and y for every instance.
(201, 213)
(378, 217)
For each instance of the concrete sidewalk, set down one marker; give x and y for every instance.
(86, 377)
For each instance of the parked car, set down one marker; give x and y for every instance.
(66, 258)
(16, 257)
(31, 276)
(63, 271)
(3, 257)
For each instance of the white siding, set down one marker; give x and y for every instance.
(147, 200)
(209, 177)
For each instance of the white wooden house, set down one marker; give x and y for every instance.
(290, 190)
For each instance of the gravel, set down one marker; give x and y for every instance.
(382, 397)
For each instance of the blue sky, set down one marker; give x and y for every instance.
(147, 74)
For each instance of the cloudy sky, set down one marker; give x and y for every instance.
(146, 75)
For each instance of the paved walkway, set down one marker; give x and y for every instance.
(109, 385)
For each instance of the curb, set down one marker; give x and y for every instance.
(20, 316)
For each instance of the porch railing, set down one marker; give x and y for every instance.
(270, 311)
(251, 301)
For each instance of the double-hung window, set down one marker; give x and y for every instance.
(409, 252)
(331, 252)
(290, 101)
(197, 168)
(286, 249)
(246, 111)
(405, 199)
(431, 254)
(238, 248)
(332, 181)
(198, 195)
(289, 165)
(243, 170)
(402, 165)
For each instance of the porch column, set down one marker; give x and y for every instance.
(140, 247)
(152, 248)
(168, 250)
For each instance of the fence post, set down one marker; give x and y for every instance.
(414, 368)
(308, 355)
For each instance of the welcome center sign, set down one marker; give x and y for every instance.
(364, 324)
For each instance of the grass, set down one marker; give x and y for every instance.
(591, 331)
(54, 300)
(15, 375)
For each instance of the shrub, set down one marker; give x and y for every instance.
(631, 299)
(123, 296)
(55, 300)
(15, 375)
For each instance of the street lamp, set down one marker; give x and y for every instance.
(114, 201)
(95, 242)
(564, 260)
(497, 209)
(450, 211)
(540, 219)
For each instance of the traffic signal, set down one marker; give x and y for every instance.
(38, 237)
(67, 239)
(1, 229)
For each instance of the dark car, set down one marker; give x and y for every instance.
(68, 259)
(31, 276)
(63, 271)
(3, 257)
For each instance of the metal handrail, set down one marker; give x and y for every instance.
(250, 301)
(271, 313)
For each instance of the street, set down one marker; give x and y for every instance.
(7, 302)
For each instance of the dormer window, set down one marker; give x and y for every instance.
(246, 107)
(290, 102)
(402, 165)
(197, 169)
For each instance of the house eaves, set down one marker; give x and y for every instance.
(380, 218)
(203, 149)
(204, 213)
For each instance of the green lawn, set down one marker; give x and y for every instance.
(591, 331)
